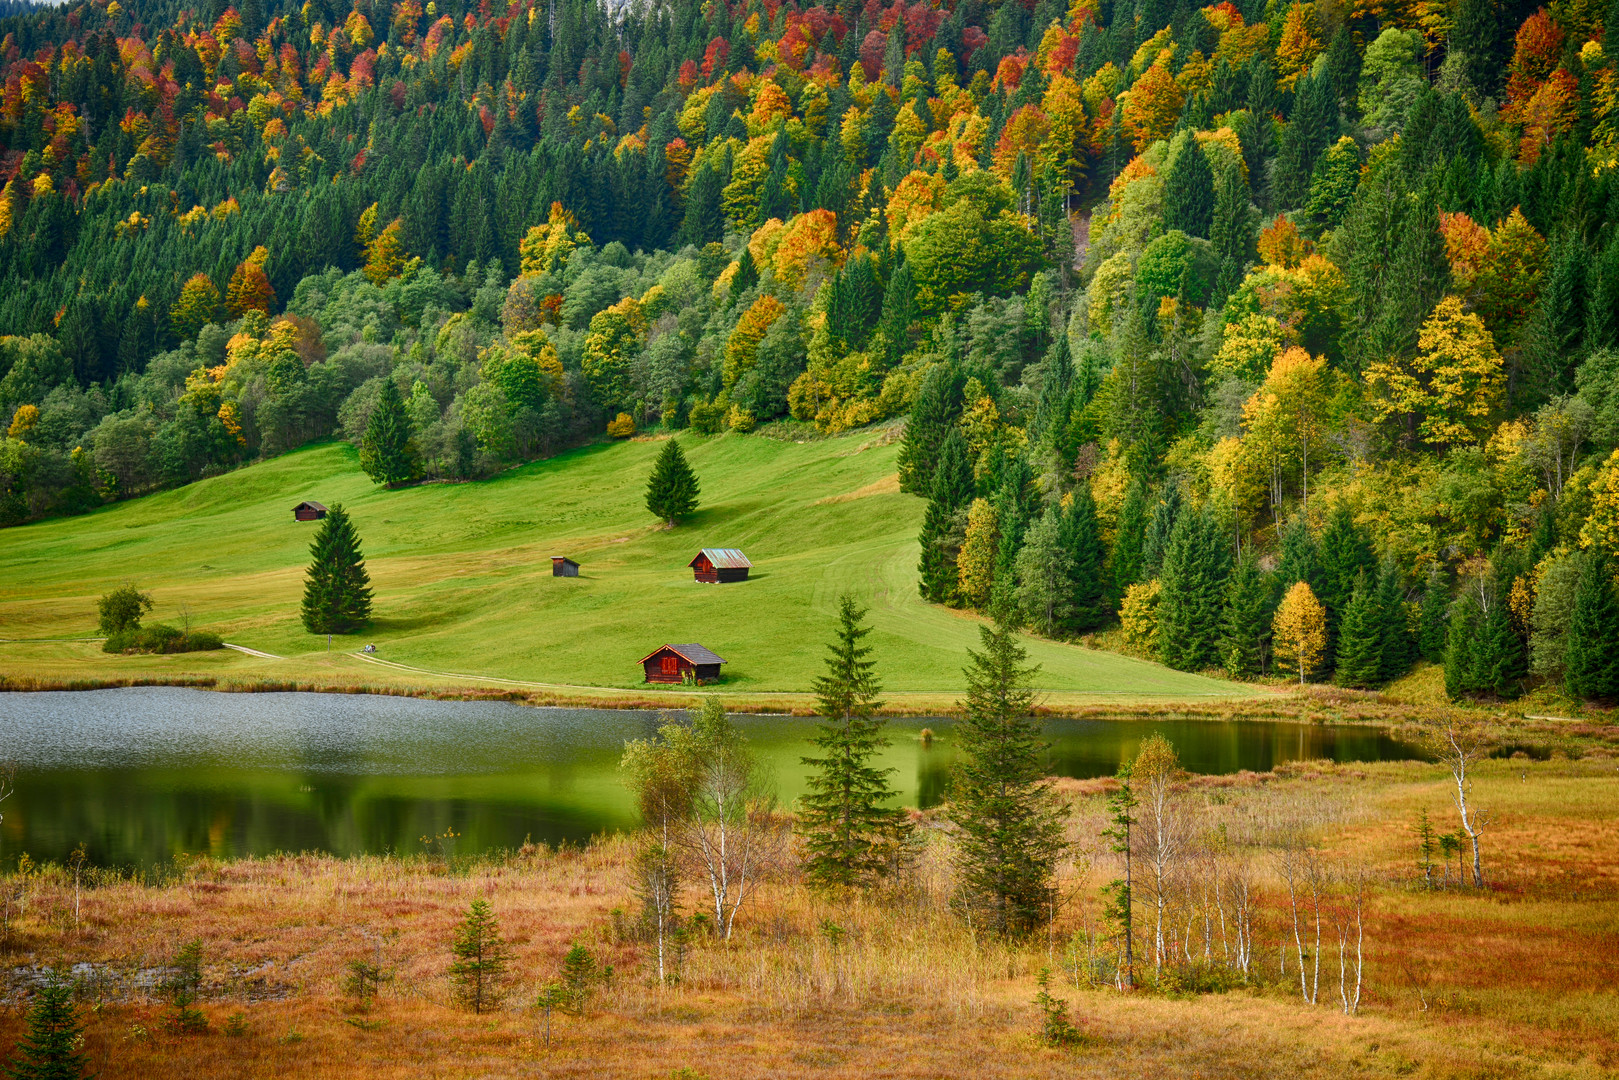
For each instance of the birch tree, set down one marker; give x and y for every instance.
(717, 811)
(662, 782)
(1460, 744)
(1161, 835)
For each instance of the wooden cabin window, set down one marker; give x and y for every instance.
(670, 665)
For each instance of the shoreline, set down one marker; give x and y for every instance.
(341, 674)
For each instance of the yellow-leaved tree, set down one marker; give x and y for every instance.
(545, 247)
(1285, 422)
(1300, 629)
(197, 306)
(385, 256)
(976, 564)
(1445, 394)
(1138, 617)
(1601, 529)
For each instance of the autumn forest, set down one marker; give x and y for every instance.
(1275, 339)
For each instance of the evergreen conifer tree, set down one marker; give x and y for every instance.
(1500, 659)
(478, 973)
(337, 592)
(1045, 576)
(1197, 563)
(1592, 671)
(1300, 559)
(1189, 191)
(1159, 529)
(944, 523)
(1130, 537)
(388, 448)
(672, 489)
(1232, 231)
(1462, 629)
(1397, 645)
(899, 308)
(1360, 639)
(52, 1047)
(1434, 620)
(1081, 537)
(1344, 555)
(1245, 627)
(1010, 822)
(852, 836)
(934, 413)
(1313, 125)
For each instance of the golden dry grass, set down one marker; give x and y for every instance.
(1517, 982)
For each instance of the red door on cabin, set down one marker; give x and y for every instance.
(671, 665)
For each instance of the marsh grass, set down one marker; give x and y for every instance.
(1516, 981)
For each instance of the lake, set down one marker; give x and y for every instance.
(143, 774)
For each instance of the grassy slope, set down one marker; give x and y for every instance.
(463, 579)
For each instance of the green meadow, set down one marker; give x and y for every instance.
(462, 572)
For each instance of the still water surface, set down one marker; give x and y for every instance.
(143, 774)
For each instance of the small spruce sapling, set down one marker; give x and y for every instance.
(53, 1046)
(1425, 848)
(581, 975)
(478, 974)
(184, 987)
(1056, 1029)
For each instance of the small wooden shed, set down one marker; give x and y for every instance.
(562, 566)
(715, 565)
(308, 511)
(671, 663)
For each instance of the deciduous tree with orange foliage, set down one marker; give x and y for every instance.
(1151, 107)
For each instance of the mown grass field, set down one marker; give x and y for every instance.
(463, 584)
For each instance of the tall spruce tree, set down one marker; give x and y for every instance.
(672, 489)
(337, 590)
(1592, 671)
(1232, 231)
(852, 836)
(1189, 191)
(1344, 556)
(944, 523)
(1159, 529)
(1130, 537)
(1500, 655)
(1245, 626)
(388, 448)
(53, 1046)
(1360, 639)
(1045, 576)
(1010, 822)
(1197, 563)
(934, 413)
(1398, 647)
(1434, 619)
(1460, 637)
(1081, 537)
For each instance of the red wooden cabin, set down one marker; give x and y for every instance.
(714, 565)
(671, 663)
(308, 511)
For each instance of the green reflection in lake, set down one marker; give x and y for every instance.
(141, 775)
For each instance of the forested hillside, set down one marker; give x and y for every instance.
(1284, 333)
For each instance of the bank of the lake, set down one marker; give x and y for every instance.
(146, 774)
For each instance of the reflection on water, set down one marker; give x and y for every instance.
(140, 775)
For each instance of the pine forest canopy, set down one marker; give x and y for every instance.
(1355, 258)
